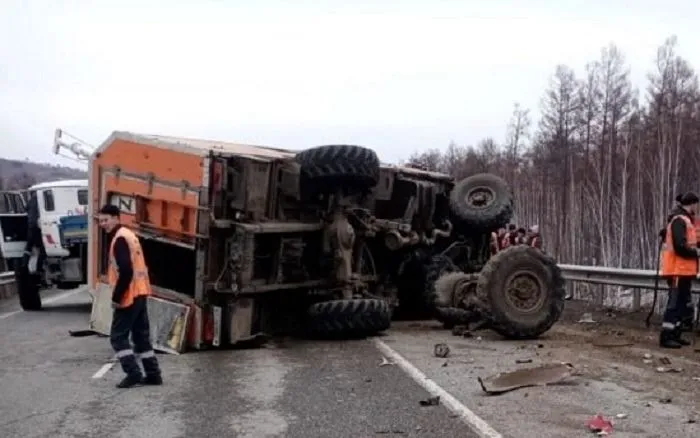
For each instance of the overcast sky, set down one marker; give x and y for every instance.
(397, 76)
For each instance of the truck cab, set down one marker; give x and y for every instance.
(54, 216)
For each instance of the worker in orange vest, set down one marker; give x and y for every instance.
(127, 274)
(679, 265)
(497, 240)
(534, 239)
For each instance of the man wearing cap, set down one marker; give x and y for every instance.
(679, 265)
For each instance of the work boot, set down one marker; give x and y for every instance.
(679, 338)
(667, 339)
(130, 381)
(153, 379)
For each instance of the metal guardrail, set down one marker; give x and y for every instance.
(631, 278)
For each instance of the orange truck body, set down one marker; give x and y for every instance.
(161, 185)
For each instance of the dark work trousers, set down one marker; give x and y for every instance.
(679, 300)
(134, 320)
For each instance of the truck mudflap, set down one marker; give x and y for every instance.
(174, 325)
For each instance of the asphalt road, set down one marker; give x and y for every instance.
(289, 389)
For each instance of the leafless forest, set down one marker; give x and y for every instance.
(601, 169)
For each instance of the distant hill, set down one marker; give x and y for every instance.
(16, 174)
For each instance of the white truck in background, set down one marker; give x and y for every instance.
(53, 216)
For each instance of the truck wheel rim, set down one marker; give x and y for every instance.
(524, 292)
(480, 197)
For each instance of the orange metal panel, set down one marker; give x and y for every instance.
(166, 208)
(166, 164)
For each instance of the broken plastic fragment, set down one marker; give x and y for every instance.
(385, 362)
(538, 376)
(599, 425)
(587, 318)
(430, 401)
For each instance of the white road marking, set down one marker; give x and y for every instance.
(476, 423)
(47, 301)
(102, 371)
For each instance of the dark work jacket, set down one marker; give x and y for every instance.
(122, 256)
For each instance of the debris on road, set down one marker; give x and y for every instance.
(587, 318)
(600, 425)
(441, 350)
(612, 341)
(82, 333)
(543, 375)
(430, 401)
(386, 362)
(666, 400)
(523, 360)
(667, 368)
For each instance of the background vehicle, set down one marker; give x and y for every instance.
(53, 215)
(243, 241)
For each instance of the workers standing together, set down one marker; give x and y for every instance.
(128, 276)
(503, 238)
(679, 266)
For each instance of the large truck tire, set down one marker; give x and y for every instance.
(27, 289)
(522, 292)
(338, 166)
(482, 202)
(349, 318)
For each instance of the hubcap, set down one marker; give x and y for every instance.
(524, 292)
(480, 197)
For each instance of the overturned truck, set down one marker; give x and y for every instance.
(245, 241)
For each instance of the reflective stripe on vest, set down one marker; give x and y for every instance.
(140, 284)
(671, 264)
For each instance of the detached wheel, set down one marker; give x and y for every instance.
(27, 289)
(482, 202)
(522, 291)
(327, 168)
(454, 294)
(349, 318)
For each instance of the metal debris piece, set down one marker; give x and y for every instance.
(621, 416)
(668, 370)
(441, 350)
(599, 425)
(647, 356)
(386, 362)
(611, 341)
(542, 375)
(587, 318)
(697, 379)
(523, 360)
(666, 400)
(430, 401)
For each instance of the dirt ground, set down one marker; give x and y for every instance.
(621, 373)
(620, 341)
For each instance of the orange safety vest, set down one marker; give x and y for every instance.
(140, 284)
(671, 264)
